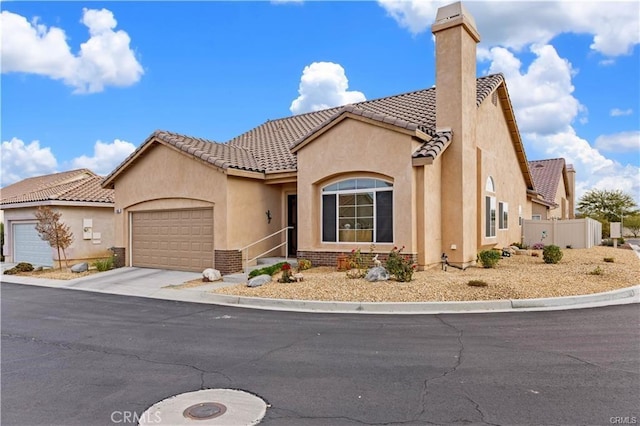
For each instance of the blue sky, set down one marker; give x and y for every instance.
(84, 83)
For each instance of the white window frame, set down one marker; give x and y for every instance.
(490, 209)
(339, 192)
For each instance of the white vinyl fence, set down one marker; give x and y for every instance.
(577, 233)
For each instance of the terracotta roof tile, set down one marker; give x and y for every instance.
(546, 175)
(80, 185)
(436, 146)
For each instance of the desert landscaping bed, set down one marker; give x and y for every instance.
(516, 277)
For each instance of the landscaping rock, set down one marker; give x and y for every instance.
(80, 267)
(259, 280)
(211, 275)
(377, 273)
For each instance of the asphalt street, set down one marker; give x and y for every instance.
(80, 358)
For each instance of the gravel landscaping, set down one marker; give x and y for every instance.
(516, 277)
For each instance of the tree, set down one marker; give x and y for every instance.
(51, 230)
(632, 223)
(607, 205)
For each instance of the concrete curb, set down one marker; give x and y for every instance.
(615, 297)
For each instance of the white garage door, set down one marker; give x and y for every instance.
(29, 247)
(173, 239)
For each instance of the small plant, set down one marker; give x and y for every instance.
(477, 283)
(267, 270)
(489, 258)
(597, 271)
(104, 264)
(609, 259)
(304, 264)
(20, 267)
(286, 274)
(538, 246)
(356, 263)
(400, 266)
(521, 246)
(551, 254)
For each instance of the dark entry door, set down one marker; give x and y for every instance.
(292, 220)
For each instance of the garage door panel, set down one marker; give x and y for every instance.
(173, 239)
(29, 247)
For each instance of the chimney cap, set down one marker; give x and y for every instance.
(455, 14)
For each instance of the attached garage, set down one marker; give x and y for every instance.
(173, 239)
(29, 247)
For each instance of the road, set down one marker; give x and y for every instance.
(80, 358)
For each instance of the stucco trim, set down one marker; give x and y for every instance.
(245, 174)
(56, 203)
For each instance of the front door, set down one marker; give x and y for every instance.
(292, 220)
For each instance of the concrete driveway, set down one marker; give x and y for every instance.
(125, 281)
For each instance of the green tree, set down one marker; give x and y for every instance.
(607, 205)
(51, 230)
(632, 223)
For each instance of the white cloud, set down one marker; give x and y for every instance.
(616, 112)
(541, 95)
(106, 156)
(323, 85)
(20, 161)
(619, 142)
(615, 26)
(105, 59)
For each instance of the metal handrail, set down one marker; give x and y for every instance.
(286, 244)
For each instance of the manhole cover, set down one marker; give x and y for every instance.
(204, 411)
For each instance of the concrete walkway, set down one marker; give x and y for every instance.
(162, 284)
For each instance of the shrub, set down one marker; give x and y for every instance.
(20, 267)
(609, 259)
(267, 270)
(104, 264)
(597, 271)
(551, 254)
(538, 246)
(304, 264)
(477, 283)
(400, 266)
(609, 242)
(489, 258)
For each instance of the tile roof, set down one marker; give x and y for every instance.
(81, 185)
(267, 147)
(435, 146)
(546, 176)
(272, 141)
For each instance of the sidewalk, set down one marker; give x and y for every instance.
(162, 284)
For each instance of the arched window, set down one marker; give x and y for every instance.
(358, 210)
(490, 209)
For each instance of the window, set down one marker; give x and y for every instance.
(358, 210)
(536, 217)
(490, 209)
(503, 215)
(490, 222)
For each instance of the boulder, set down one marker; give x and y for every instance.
(211, 275)
(259, 280)
(377, 273)
(80, 267)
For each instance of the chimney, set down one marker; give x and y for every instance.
(455, 40)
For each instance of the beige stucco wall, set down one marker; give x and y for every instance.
(350, 149)
(498, 159)
(73, 216)
(562, 211)
(165, 178)
(539, 209)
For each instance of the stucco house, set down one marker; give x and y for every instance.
(555, 181)
(440, 170)
(86, 208)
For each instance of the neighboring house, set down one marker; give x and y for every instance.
(440, 170)
(555, 181)
(86, 208)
